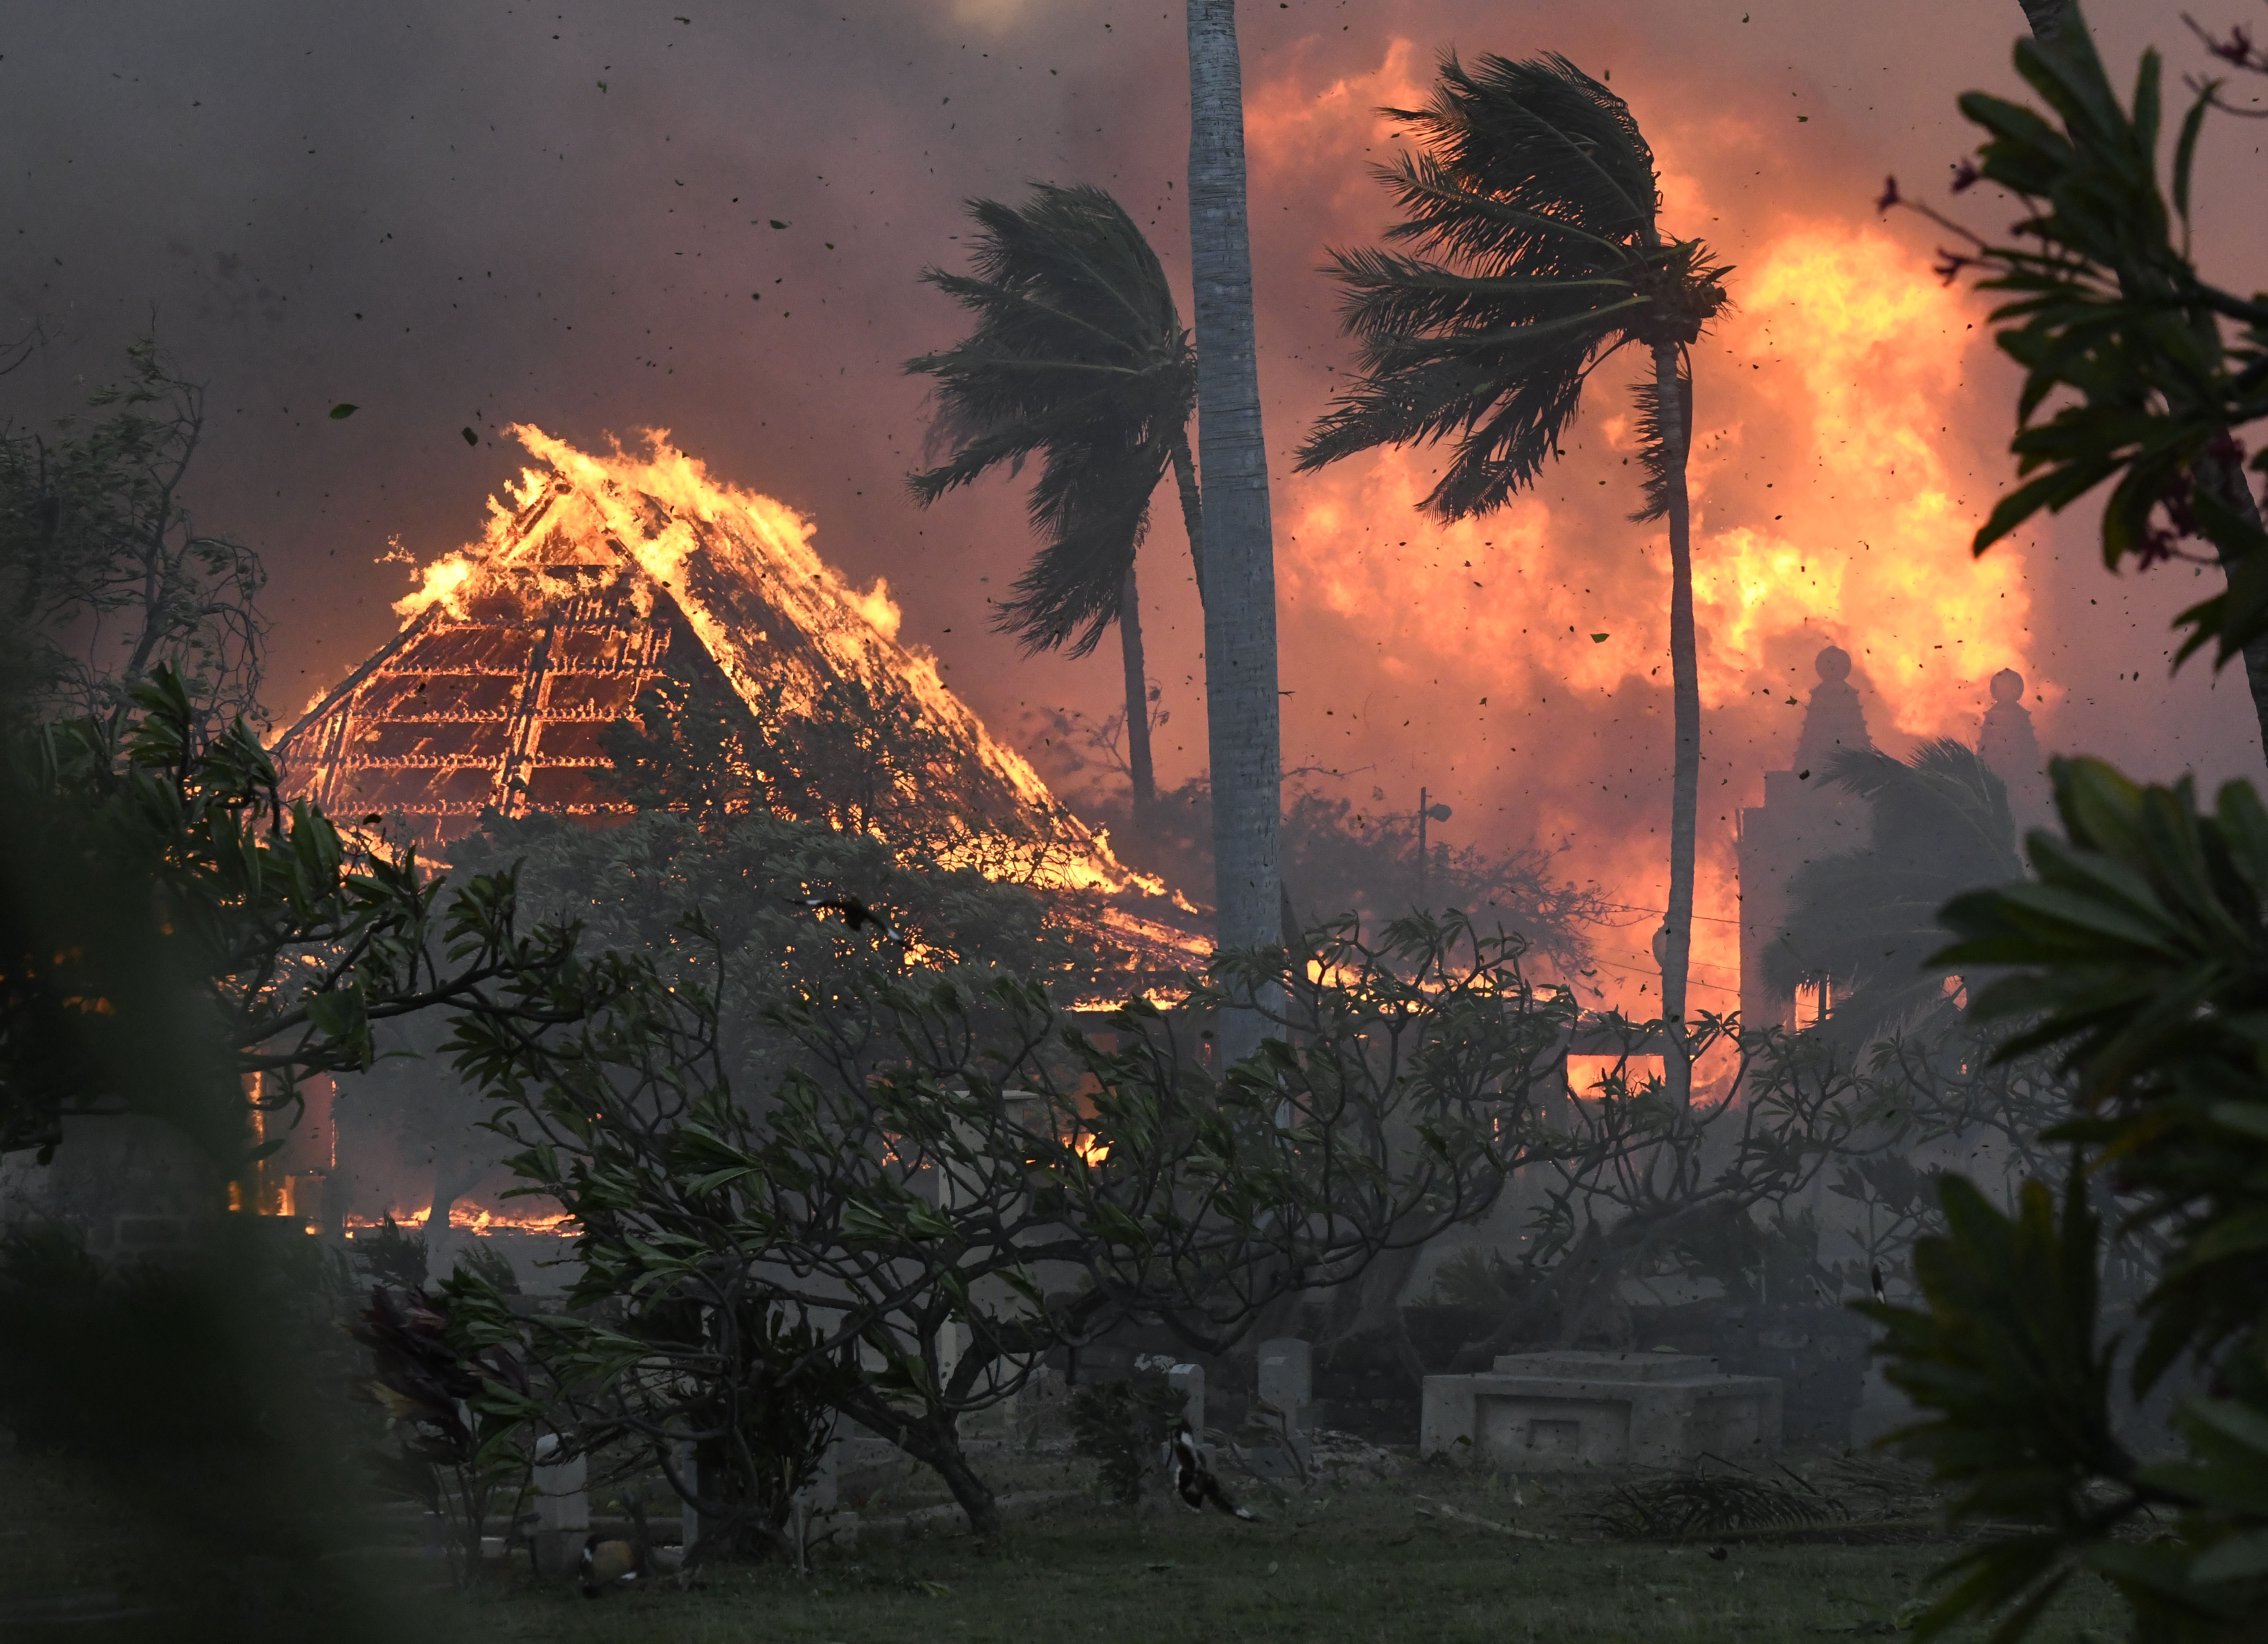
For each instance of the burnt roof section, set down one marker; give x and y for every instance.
(496, 695)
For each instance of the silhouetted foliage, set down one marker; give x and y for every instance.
(1863, 922)
(103, 579)
(177, 928)
(1079, 357)
(2140, 951)
(2151, 367)
(1122, 1424)
(899, 1185)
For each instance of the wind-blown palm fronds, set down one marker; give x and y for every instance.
(1532, 208)
(1079, 357)
(1866, 921)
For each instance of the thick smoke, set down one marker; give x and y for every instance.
(462, 216)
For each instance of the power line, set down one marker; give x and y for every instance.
(1714, 987)
(1631, 907)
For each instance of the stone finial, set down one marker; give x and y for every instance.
(2009, 744)
(1835, 720)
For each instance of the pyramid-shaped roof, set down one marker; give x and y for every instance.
(598, 575)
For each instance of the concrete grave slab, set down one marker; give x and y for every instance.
(1555, 1412)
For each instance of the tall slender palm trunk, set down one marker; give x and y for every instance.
(1239, 574)
(1677, 391)
(1138, 769)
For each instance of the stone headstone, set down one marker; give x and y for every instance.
(1287, 1376)
(819, 1496)
(689, 1470)
(1042, 1409)
(1187, 1380)
(563, 1508)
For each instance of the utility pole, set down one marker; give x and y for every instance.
(1438, 813)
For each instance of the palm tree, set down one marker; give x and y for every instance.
(1080, 356)
(1862, 925)
(1240, 557)
(1531, 202)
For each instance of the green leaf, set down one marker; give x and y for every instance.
(2240, 1557)
(2185, 149)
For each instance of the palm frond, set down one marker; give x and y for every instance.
(1711, 1503)
(1093, 514)
(1078, 359)
(1540, 136)
(1867, 920)
(1663, 464)
(1075, 324)
(1943, 791)
(1530, 207)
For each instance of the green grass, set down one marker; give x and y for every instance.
(1338, 1567)
(1341, 1566)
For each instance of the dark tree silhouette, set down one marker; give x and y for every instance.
(1864, 924)
(1079, 357)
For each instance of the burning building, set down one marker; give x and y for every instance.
(602, 580)
(597, 579)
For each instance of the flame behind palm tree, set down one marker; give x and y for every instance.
(1531, 202)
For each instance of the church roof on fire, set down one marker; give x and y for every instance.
(598, 575)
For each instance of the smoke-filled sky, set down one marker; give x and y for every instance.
(479, 213)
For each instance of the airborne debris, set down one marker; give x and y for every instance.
(855, 914)
(342, 410)
(776, 223)
(471, 438)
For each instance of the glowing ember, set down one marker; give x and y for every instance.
(472, 1218)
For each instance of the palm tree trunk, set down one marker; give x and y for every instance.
(1239, 562)
(1185, 481)
(1137, 702)
(1677, 391)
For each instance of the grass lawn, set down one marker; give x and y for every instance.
(1344, 1565)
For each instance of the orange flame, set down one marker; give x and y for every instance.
(1518, 664)
(464, 1218)
(742, 534)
